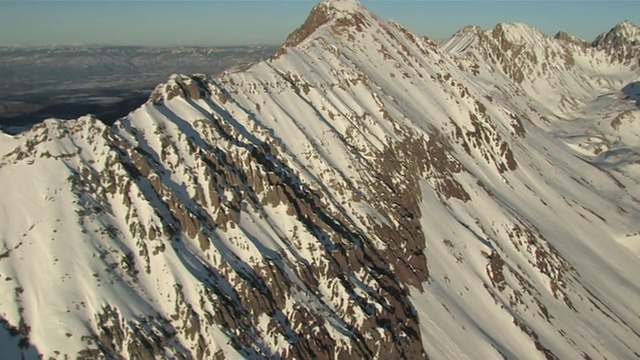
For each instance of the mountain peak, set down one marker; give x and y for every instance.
(504, 33)
(626, 26)
(325, 12)
(625, 31)
(178, 85)
(342, 5)
(622, 41)
(515, 32)
(569, 38)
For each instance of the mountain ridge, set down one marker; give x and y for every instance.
(372, 198)
(621, 42)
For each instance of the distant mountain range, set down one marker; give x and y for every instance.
(70, 81)
(363, 193)
(46, 65)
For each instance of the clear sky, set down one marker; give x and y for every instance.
(236, 22)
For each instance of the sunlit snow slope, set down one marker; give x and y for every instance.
(364, 193)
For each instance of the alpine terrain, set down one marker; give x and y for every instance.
(364, 193)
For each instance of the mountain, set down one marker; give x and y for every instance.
(561, 74)
(364, 193)
(621, 42)
(560, 78)
(566, 37)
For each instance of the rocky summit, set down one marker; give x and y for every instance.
(364, 193)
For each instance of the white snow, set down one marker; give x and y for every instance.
(563, 223)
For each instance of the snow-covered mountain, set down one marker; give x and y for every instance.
(621, 43)
(364, 193)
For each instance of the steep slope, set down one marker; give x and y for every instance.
(581, 93)
(360, 194)
(558, 75)
(621, 43)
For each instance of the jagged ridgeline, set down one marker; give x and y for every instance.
(365, 193)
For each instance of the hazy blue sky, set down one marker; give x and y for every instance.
(156, 22)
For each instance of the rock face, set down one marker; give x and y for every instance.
(364, 193)
(565, 36)
(621, 43)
